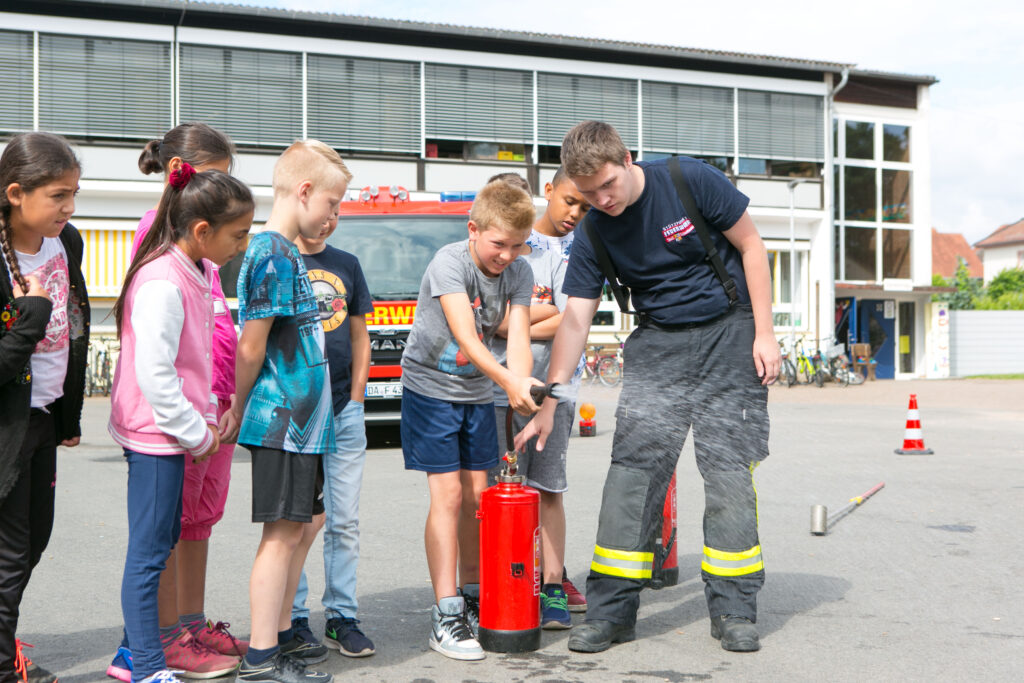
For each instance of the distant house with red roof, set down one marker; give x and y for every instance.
(948, 249)
(1003, 249)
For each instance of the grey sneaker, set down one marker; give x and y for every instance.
(471, 593)
(450, 633)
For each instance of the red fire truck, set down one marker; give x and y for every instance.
(394, 238)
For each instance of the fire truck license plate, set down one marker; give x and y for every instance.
(390, 390)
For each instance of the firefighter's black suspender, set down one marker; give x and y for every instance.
(675, 169)
(604, 261)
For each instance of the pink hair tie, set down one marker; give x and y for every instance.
(179, 179)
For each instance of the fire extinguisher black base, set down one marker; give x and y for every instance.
(494, 640)
(663, 578)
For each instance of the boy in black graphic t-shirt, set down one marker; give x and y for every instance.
(343, 300)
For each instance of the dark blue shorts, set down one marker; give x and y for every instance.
(440, 436)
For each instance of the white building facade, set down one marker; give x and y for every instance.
(437, 108)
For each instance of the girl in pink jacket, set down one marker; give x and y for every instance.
(192, 643)
(163, 410)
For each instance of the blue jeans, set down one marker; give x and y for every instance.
(154, 524)
(343, 478)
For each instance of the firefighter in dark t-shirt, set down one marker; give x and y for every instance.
(702, 355)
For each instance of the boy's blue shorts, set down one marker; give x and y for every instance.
(440, 436)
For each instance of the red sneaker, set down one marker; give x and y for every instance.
(195, 660)
(219, 639)
(577, 603)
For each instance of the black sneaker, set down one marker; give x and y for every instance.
(344, 635)
(738, 634)
(29, 671)
(304, 647)
(596, 635)
(279, 669)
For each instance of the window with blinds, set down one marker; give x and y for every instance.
(565, 100)
(364, 104)
(781, 126)
(104, 87)
(255, 96)
(471, 103)
(688, 119)
(15, 81)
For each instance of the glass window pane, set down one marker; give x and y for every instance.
(796, 169)
(835, 192)
(906, 336)
(860, 253)
(896, 196)
(895, 142)
(753, 166)
(859, 186)
(896, 253)
(860, 140)
(837, 264)
(778, 264)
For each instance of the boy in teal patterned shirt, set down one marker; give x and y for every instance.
(283, 383)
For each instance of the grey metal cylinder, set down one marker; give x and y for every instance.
(819, 520)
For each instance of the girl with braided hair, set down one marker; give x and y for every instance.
(162, 406)
(44, 323)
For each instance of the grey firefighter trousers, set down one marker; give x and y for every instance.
(701, 376)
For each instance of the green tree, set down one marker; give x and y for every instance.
(968, 289)
(1004, 293)
(1009, 280)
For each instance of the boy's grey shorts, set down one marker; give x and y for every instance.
(544, 470)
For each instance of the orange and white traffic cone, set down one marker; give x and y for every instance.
(913, 440)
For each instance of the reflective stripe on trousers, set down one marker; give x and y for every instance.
(622, 563)
(722, 563)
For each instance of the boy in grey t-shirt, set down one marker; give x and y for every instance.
(448, 428)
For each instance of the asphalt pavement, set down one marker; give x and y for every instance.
(920, 583)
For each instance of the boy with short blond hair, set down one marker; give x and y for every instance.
(283, 383)
(549, 242)
(448, 428)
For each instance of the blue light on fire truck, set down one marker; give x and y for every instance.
(458, 196)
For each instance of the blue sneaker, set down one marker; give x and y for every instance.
(343, 634)
(554, 608)
(121, 667)
(304, 647)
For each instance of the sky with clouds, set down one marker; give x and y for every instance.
(974, 49)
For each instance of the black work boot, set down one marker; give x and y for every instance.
(596, 635)
(738, 634)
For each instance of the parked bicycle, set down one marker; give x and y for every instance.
(787, 370)
(837, 366)
(604, 364)
(807, 366)
(99, 368)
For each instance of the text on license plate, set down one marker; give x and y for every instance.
(389, 390)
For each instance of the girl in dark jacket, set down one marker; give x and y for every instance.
(44, 339)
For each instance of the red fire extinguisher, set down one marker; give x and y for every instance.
(509, 517)
(666, 558)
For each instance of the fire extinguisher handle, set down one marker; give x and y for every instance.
(509, 440)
